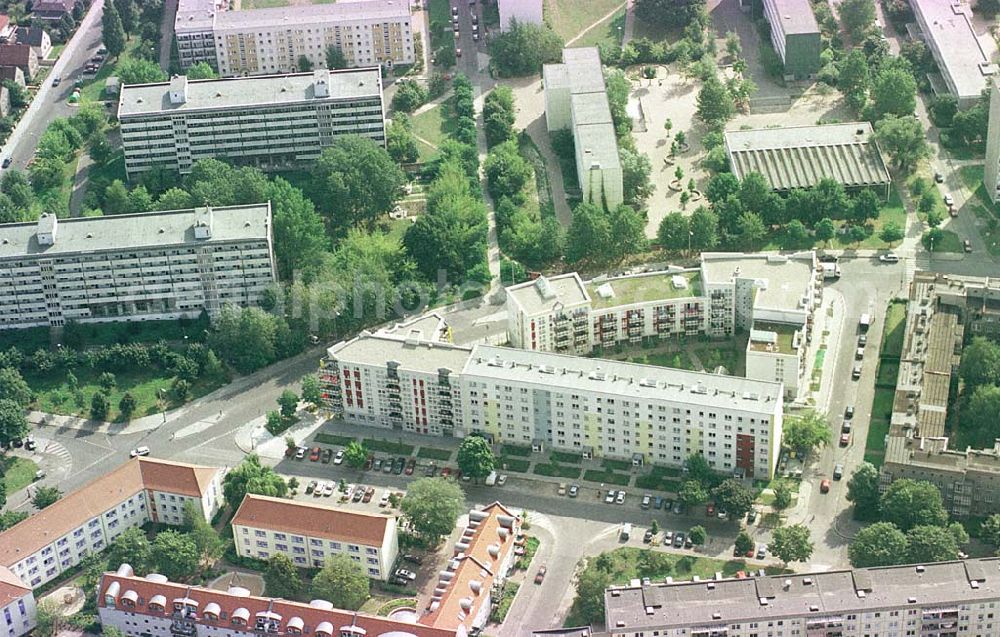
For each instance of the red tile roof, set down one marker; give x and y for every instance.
(15, 54)
(11, 587)
(96, 497)
(313, 520)
(311, 616)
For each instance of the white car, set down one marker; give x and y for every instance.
(405, 574)
(949, 200)
(610, 498)
(384, 502)
(339, 458)
(139, 451)
(620, 498)
(501, 479)
(889, 257)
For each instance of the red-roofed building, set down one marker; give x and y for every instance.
(153, 606)
(19, 56)
(17, 604)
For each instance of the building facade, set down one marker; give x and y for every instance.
(309, 533)
(158, 265)
(795, 36)
(592, 407)
(270, 122)
(773, 297)
(273, 40)
(87, 520)
(529, 11)
(942, 599)
(576, 98)
(991, 169)
(942, 312)
(153, 606)
(17, 605)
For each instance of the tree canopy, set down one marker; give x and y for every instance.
(880, 544)
(523, 48)
(863, 491)
(343, 582)
(791, 543)
(734, 498)
(344, 176)
(909, 503)
(475, 457)
(433, 505)
(805, 432)
(281, 578)
(250, 476)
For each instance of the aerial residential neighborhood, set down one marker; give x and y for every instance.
(446, 318)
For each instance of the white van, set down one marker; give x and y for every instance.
(626, 531)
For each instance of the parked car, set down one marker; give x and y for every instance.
(668, 538)
(610, 498)
(311, 487)
(845, 439)
(300, 453)
(413, 559)
(387, 465)
(824, 485)
(458, 52)
(398, 466)
(402, 573)
(359, 492)
(326, 455)
(339, 457)
(6, 162)
(849, 412)
(56, 81)
(856, 372)
(647, 500)
(411, 464)
(445, 472)
(838, 472)
(859, 353)
(687, 542)
(967, 245)
(938, 178)
(678, 508)
(761, 551)
(949, 200)
(561, 489)
(369, 461)
(384, 501)
(377, 465)
(679, 540)
(710, 509)
(540, 575)
(29, 443)
(137, 452)
(647, 537)
(889, 257)
(846, 427)
(502, 480)
(314, 454)
(751, 516)
(620, 498)
(862, 340)
(369, 492)
(431, 470)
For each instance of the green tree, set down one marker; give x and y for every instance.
(881, 544)
(698, 469)
(507, 173)
(931, 544)
(894, 92)
(134, 70)
(99, 406)
(523, 48)
(174, 199)
(13, 424)
(628, 227)
(858, 17)
(692, 493)
(343, 176)
(980, 364)
(355, 454)
(49, 619)
(433, 505)
(590, 588)
(288, 402)
(498, 116)
(990, 530)
(744, 543)
(715, 104)
(175, 555)
(127, 405)
(891, 233)
(909, 503)
(697, 535)
(201, 71)
(475, 457)
(13, 387)
(866, 206)
(335, 58)
(791, 543)
(300, 239)
(343, 582)
(636, 170)
(589, 234)
(10, 518)
(409, 96)
(825, 230)
(400, 142)
(107, 381)
(854, 79)
(903, 139)
(45, 496)
(979, 418)
(782, 496)
(672, 235)
(704, 229)
(131, 547)
(722, 186)
(116, 198)
(112, 31)
(805, 432)
(863, 491)
(305, 64)
(245, 337)
(752, 230)
(18, 94)
(281, 578)
(734, 498)
(250, 476)
(311, 391)
(210, 545)
(671, 13)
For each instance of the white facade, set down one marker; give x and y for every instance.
(521, 10)
(158, 265)
(17, 605)
(271, 122)
(991, 169)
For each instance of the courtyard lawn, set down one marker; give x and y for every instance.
(892, 211)
(432, 127)
(949, 242)
(892, 337)
(608, 32)
(17, 473)
(569, 18)
(333, 439)
(434, 453)
(982, 207)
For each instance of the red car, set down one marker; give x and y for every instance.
(445, 472)
(540, 575)
(710, 510)
(314, 454)
(410, 465)
(824, 486)
(845, 439)
(369, 492)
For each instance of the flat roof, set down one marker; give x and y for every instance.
(411, 354)
(785, 279)
(258, 90)
(776, 338)
(143, 230)
(796, 16)
(559, 371)
(968, 58)
(799, 156)
(597, 144)
(814, 596)
(590, 108)
(544, 293)
(310, 14)
(643, 288)
(580, 71)
(197, 15)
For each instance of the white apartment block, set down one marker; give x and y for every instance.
(17, 605)
(942, 599)
(991, 169)
(310, 533)
(153, 606)
(524, 11)
(157, 265)
(273, 40)
(593, 407)
(87, 520)
(771, 296)
(273, 121)
(576, 98)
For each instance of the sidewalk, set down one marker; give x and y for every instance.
(139, 425)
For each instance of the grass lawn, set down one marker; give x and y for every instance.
(17, 473)
(616, 465)
(434, 453)
(655, 32)
(888, 372)
(434, 125)
(567, 458)
(57, 199)
(608, 32)
(950, 242)
(982, 207)
(875, 444)
(675, 360)
(513, 450)
(892, 337)
(499, 613)
(388, 446)
(892, 211)
(571, 17)
(657, 483)
(145, 385)
(607, 477)
(440, 10)
(331, 439)
(514, 465)
(56, 50)
(882, 403)
(557, 471)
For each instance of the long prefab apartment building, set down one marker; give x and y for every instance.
(270, 121)
(157, 265)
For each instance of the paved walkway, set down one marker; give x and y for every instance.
(539, 134)
(79, 191)
(167, 33)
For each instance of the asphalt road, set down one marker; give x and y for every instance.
(50, 101)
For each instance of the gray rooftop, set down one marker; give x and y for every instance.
(411, 354)
(816, 596)
(195, 15)
(590, 108)
(968, 57)
(559, 371)
(122, 232)
(430, 327)
(799, 156)
(580, 71)
(787, 278)
(236, 92)
(311, 14)
(796, 16)
(544, 293)
(598, 145)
